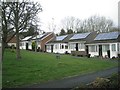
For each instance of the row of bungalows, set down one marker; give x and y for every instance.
(93, 43)
(70, 42)
(40, 41)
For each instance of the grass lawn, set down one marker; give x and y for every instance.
(41, 67)
(0, 75)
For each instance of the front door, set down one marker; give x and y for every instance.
(76, 46)
(100, 50)
(86, 49)
(51, 48)
(45, 48)
(26, 46)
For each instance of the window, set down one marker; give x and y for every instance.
(81, 46)
(20, 44)
(48, 47)
(72, 46)
(29, 43)
(113, 47)
(61, 46)
(56, 46)
(66, 47)
(93, 48)
(105, 48)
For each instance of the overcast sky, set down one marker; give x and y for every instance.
(82, 9)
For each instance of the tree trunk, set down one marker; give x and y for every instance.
(18, 56)
(4, 44)
(2, 50)
(1, 55)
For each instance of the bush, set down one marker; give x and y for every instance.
(111, 82)
(13, 48)
(33, 45)
(118, 55)
(100, 83)
(113, 57)
(115, 81)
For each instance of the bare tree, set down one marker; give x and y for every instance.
(71, 23)
(77, 25)
(52, 26)
(68, 23)
(93, 23)
(96, 23)
(18, 15)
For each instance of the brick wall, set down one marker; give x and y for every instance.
(45, 40)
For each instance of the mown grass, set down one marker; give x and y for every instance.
(0, 75)
(42, 67)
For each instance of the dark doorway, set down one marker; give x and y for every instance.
(87, 49)
(76, 46)
(45, 48)
(108, 53)
(51, 48)
(100, 50)
(26, 46)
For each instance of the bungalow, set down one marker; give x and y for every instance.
(40, 40)
(105, 45)
(59, 44)
(48, 37)
(77, 41)
(25, 43)
(12, 42)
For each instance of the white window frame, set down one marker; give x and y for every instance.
(113, 47)
(72, 45)
(105, 47)
(93, 48)
(81, 46)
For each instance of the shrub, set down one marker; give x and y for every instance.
(113, 57)
(100, 83)
(13, 48)
(115, 81)
(118, 55)
(33, 45)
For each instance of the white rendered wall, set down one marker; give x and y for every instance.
(104, 53)
(10, 44)
(58, 49)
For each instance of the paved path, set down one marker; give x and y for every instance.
(75, 81)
